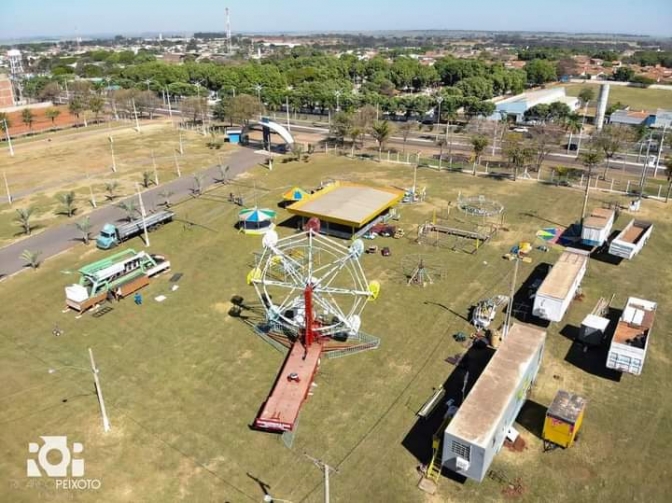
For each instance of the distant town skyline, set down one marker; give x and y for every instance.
(58, 18)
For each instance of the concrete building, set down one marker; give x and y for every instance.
(6, 92)
(516, 106)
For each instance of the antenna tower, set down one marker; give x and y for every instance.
(228, 32)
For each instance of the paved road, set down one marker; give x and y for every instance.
(58, 239)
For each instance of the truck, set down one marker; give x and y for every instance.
(630, 342)
(559, 287)
(631, 240)
(116, 277)
(477, 432)
(112, 235)
(597, 227)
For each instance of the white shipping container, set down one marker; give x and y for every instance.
(560, 285)
(597, 227)
(630, 343)
(478, 430)
(631, 239)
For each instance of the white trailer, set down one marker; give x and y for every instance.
(631, 239)
(631, 339)
(478, 430)
(597, 227)
(560, 285)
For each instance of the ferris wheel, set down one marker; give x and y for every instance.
(311, 284)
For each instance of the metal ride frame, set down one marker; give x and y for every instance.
(303, 282)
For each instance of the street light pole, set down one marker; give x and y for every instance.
(326, 469)
(170, 110)
(143, 214)
(289, 127)
(509, 309)
(338, 95)
(99, 393)
(135, 113)
(114, 162)
(438, 116)
(9, 138)
(660, 151)
(9, 195)
(258, 88)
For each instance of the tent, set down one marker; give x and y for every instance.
(256, 220)
(295, 194)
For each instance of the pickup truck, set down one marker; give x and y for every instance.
(111, 235)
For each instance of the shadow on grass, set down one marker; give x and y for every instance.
(523, 299)
(531, 417)
(418, 441)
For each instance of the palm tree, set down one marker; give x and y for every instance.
(84, 226)
(147, 178)
(111, 188)
(166, 197)
(478, 143)
(223, 174)
(52, 113)
(68, 201)
(590, 159)
(572, 126)
(518, 153)
(32, 258)
(297, 150)
(24, 215)
(27, 117)
(198, 184)
(130, 208)
(668, 169)
(381, 132)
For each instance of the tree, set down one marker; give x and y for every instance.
(544, 138)
(478, 143)
(50, 92)
(27, 117)
(624, 74)
(199, 181)
(586, 95)
(96, 105)
(540, 71)
(477, 87)
(239, 110)
(130, 208)
(166, 194)
(32, 258)
(381, 132)
(84, 226)
(147, 178)
(297, 150)
(590, 159)
(76, 106)
(610, 139)
(111, 188)
(223, 174)
(405, 130)
(195, 107)
(341, 125)
(518, 152)
(23, 218)
(52, 114)
(147, 102)
(355, 135)
(67, 199)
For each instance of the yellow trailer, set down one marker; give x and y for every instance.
(563, 420)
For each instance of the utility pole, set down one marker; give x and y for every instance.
(509, 309)
(99, 393)
(642, 180)
(583, 122)
(179, 132)
(326, 469)
(142, 213)
(289, 127)
(9, 195)
(338, 95)
(170, 110)
(114, 162)
(135, 113)
(93, 197)
(156, 174)
(177, 165)
(438, 116)
(9, 138)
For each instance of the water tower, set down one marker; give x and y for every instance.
(602, 100)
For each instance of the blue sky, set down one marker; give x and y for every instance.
(25, 18)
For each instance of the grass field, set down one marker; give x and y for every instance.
(57, 162)
(635, 97)
(183, 380)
